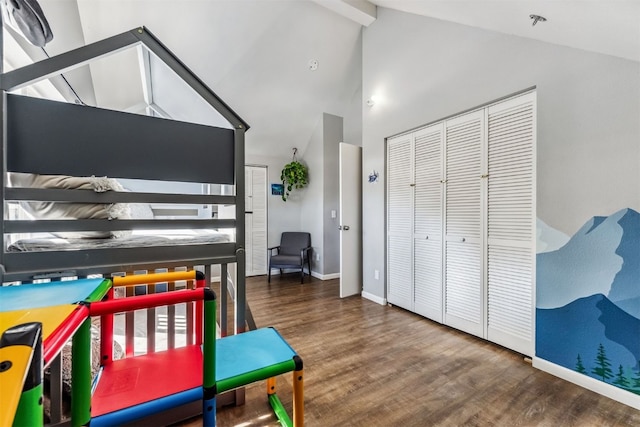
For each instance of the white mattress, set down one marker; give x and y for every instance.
(136, 239)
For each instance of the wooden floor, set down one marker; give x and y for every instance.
(372, 365)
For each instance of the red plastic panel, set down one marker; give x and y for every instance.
(135, 380)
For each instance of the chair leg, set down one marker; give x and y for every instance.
(309, 267)
(269, 274)
(302, 274)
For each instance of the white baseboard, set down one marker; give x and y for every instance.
(374, 298)
(589, 383)
(325, 276)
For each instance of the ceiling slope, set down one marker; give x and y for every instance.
(602, 26)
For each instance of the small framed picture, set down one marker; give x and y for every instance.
(277, 189)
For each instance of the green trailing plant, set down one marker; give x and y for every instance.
(294, 175)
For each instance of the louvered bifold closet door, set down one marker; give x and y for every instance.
(259, 220)
(399, 221)
(427, 243)
(510, 223)
(248, 219)
(464, 294)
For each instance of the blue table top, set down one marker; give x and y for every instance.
(46, 294)
(259, 349)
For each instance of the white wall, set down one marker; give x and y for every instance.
(311, 198)
(424, 69)
(349, 105)
(332, 136)
(282, 216)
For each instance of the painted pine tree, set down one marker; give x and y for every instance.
(603, 366)
(580, 367)
(621, 381)
(636, 379)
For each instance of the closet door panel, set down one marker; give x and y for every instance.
(256, 220)
(399, 288)
(509, 317)
(248, 219)
(427, 212)
(510, 223)
(428, 279)
(464, 297)
(399, 221)
(463, 224)
(259, 219)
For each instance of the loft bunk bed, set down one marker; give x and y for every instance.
(47, 138)
(46, 141)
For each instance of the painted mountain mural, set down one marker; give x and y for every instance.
(588, 301)
(548, 238)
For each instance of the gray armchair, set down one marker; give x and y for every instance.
(293, 252)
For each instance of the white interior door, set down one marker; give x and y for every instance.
(256, 220)
(350, 219)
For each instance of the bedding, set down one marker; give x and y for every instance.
(62, 210)
(136, 239)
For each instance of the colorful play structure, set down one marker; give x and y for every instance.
(37, 320)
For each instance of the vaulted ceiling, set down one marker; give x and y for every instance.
(257, 55)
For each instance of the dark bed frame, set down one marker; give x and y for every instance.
(47, 137)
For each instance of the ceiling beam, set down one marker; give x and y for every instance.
(361, 11)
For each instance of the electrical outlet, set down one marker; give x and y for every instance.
(376, 274)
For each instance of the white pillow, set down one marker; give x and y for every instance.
(63, 210)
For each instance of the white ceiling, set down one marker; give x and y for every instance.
(610, 27)
(255, 53)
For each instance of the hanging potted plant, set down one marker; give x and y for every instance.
(293, 175)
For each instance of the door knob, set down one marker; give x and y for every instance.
(345, 227)
(339, 227)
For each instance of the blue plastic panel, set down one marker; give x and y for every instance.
(250, 351)
(133, 413)
(46, 294)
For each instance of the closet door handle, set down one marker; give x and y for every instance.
(463, 239)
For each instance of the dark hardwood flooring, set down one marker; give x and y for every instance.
(371, 365)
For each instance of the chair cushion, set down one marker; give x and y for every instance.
(285, 261)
